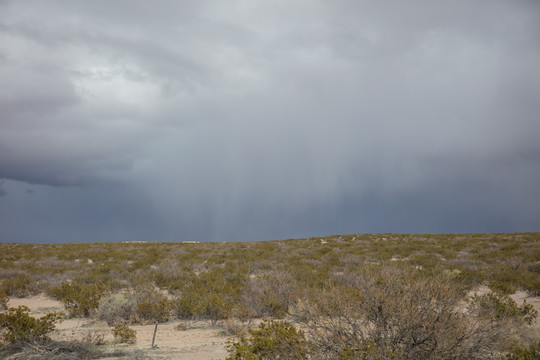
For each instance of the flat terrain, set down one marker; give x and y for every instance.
(197, 290)
(199, 341)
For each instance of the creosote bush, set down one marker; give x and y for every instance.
(21, 285)
(530, 353)
(78, 299)
(4, 299)
(272, 340)
(123, 334)
(18, 326)
(210, 295)
(503, 307)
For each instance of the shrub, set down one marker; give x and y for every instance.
(19, 326)
(20, 285)
(78, 299)
(503, 307)
(243, 312)
(270, 294)
(395, 313)
(531, 283)
(123, 334)
(211, 295)
(233, 327)
(181, 327)
(115, 309)
(4, 299)
(531, 353)
(94, 337)
(156, 310)
(502, 287)
(142, 305)
(272, 340)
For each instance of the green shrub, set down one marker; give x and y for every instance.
(531, 353)
(503, 307)
(123, 334)
(19, 326)
(272, 340)
(78, 299)
(211, 295)
(157, 310)
(502, 287)
(20, 285)
(530, 282)
(4, 299)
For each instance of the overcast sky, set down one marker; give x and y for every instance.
(255, 120)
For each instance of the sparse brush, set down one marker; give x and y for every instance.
(122, 283)
(94, 337)
(21, 285)
(233, 327)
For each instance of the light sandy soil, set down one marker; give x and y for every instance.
(518, 297)
(200, 341)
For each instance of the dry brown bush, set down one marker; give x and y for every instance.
(392, 313)
(233, 327)
(132, 307)
(93, 337)
(270, 294)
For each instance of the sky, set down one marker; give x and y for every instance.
(239, 120)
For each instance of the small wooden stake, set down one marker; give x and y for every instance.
(154, 337)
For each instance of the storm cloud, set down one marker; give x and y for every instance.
(256, 120)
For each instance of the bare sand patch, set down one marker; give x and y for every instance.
(200, 341)
(38, 305)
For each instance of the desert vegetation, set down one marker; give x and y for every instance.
(371, 296)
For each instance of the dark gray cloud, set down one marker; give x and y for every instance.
(257, 120)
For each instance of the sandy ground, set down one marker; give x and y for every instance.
(518, 297)
(200, 341)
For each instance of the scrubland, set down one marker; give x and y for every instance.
(371, 296)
